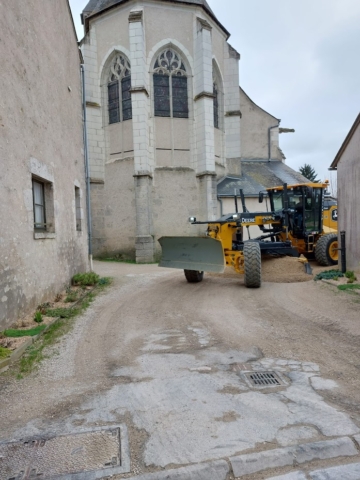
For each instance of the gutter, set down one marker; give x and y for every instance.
(87, 170)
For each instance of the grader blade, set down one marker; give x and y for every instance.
(203, 254)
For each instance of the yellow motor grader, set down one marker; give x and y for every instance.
(293, 226)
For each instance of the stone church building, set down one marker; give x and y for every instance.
(164, 120)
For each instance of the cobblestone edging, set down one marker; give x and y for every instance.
(17, 354)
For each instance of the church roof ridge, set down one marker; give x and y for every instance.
(95, 7)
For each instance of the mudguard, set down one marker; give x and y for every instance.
(203, 254)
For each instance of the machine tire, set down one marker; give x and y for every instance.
(193, 276)
(326, 252)
(252, 265)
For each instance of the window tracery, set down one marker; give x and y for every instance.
(119, 85)
(170, 85)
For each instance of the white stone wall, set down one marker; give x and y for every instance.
(188, 149)
(41, 137)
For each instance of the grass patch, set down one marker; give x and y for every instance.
(24, 333)
(86, 279)
(349, 286)
(4, 352)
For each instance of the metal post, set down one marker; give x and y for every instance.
(236, 202)
(343, 251)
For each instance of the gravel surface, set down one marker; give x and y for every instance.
(168, 359)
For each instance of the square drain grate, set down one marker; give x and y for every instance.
(264, 379)
(89, 455)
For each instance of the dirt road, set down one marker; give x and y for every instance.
(171, 361)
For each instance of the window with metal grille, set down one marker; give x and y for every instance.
(170, 86)
(119, 86)
(39, 205)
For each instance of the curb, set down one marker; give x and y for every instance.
(17, 354)
(216, 470)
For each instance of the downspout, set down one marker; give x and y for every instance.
(269, 140)
(87, 171)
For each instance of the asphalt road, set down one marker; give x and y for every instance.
(173, 361)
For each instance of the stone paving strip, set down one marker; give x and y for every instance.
(290, 476)
(217, 470)
(282, 457)
(344, 472)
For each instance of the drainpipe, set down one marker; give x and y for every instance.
(269, 140)
(87, 171)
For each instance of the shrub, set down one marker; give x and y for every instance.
(71, 297)
(61, 312)
(86, 279)
(38, 318)
(329, 275)
(350, 276)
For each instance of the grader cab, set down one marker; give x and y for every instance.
(307, 231)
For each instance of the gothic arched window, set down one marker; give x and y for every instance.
(216, 105)
(170, 86)
(119, 85)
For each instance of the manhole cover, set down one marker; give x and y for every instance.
(264, 379)
(89, 454)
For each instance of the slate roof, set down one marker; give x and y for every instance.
(258, 175)
(96, 6)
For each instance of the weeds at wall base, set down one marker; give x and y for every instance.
(34, 354)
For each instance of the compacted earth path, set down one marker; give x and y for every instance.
(162, 379)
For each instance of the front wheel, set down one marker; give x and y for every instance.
(326, 250)
(193, 276)
(252, 264)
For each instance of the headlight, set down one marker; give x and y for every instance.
(192, 219)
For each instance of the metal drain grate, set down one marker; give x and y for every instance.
(264, 379)
(89, 454)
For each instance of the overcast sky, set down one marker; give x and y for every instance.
(300, 61)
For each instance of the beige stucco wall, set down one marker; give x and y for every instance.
(255, 123)
(40, 133)
(348, 181)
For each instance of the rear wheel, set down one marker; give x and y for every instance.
(326, 250)
(193, 276)
(252, 265)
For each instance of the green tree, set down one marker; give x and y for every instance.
(308, 172)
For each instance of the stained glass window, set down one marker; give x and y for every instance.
(216, 106)
(170, 86)
(120, 72)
